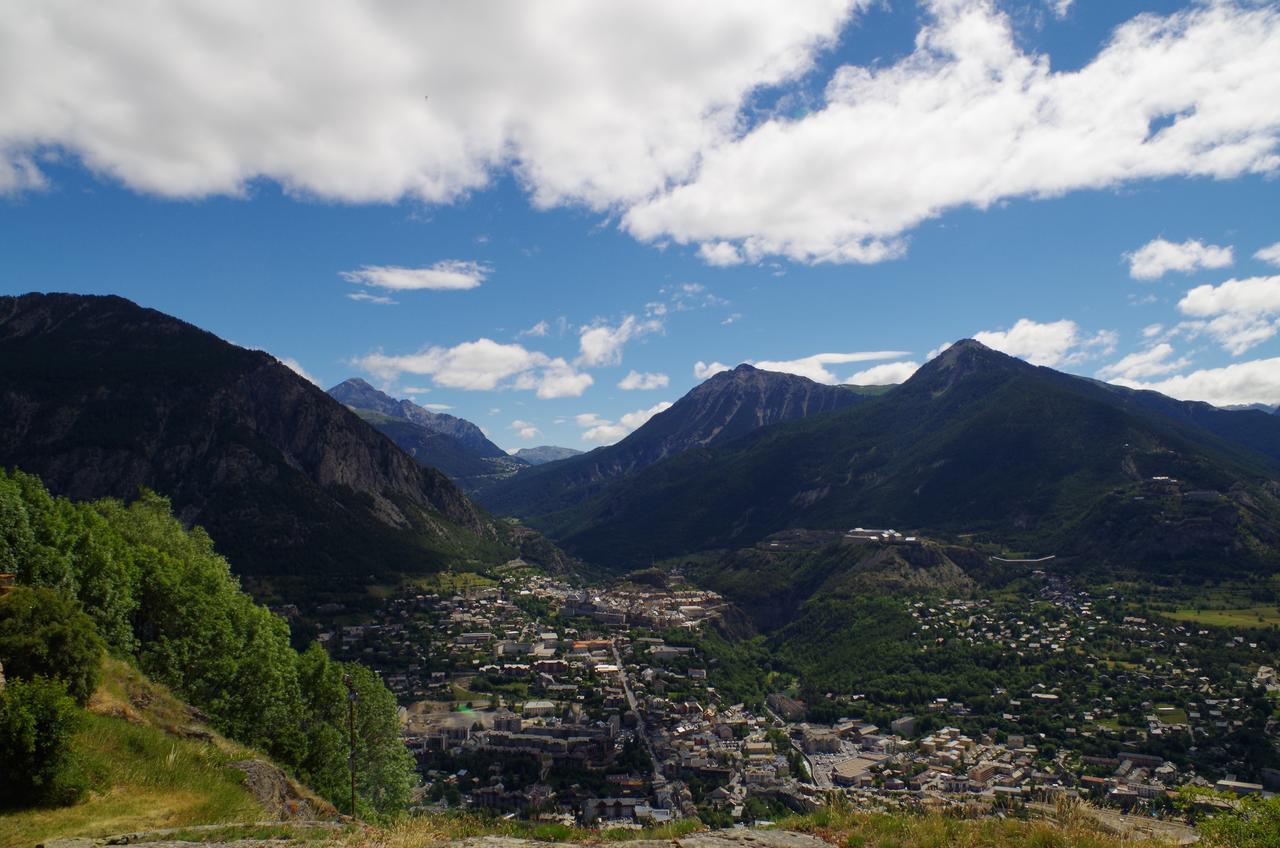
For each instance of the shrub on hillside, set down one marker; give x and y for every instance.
(45, 634)
(37, 765)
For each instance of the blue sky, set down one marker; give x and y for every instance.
(867, 180)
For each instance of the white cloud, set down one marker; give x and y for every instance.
(1054, 343)
(703, 370)
(483, 365)
(1152, 330)
(1152, 362)
(596, 103)
(1158, 257)
(1254, 381)
(557, 379)
(814, 367)
(883, 375)
(1061, 7)
(366, 297)
(602, 431)
(448, 275)
(970, 119)
(721, 254)
(538, 330)
(437, 407)
(637, 381)
(296, 367)
(524, 429)
(1269, 254)
(1238, 313)
(602, 344)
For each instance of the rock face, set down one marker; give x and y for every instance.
(99, 397)
(726, 407)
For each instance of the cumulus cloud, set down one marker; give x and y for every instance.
(1238, 314)
(722, 254)
(970, 119)
(637, 381)
(703, 370)
(1053, 343)
(296, 367)
(524, 429)
(594, 103)
(602, 431)
(601, 344)
(883, 375)
(483, 365)
(815, 367)
(1153, 362)
(1269, 254)
(1255, 381)
(448, 275)
(1158, 257)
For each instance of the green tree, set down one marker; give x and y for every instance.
(37, 763)
(45, 634)
(1256, 824)
(384, 767)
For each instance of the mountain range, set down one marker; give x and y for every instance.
(453, 445)
(727, 406)
(99, 396)
(975, 442)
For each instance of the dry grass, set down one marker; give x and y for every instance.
(841, 824)
(141, 775)
(450, 827)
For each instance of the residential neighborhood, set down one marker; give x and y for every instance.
(531, 696)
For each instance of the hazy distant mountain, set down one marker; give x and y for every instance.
(725, 407)
(358, 394)
(99, 396)
(453, 445)
(975, 441)
(543, 454)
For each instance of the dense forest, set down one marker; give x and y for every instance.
(130, 580)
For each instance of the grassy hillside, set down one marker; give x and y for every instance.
(151, 763)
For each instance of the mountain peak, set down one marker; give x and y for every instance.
(965, 359)
(358, 394)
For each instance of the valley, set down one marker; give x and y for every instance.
(643, 700)
(710, 624)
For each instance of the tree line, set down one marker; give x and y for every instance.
(129, 579)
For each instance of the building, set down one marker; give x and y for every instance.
(536, 709)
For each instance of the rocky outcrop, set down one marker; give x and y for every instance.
(100, 397)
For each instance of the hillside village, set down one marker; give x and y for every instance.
(534, 697)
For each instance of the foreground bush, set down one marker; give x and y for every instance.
(43, 633)
(37, 764)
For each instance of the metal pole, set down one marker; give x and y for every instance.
(351, 736)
